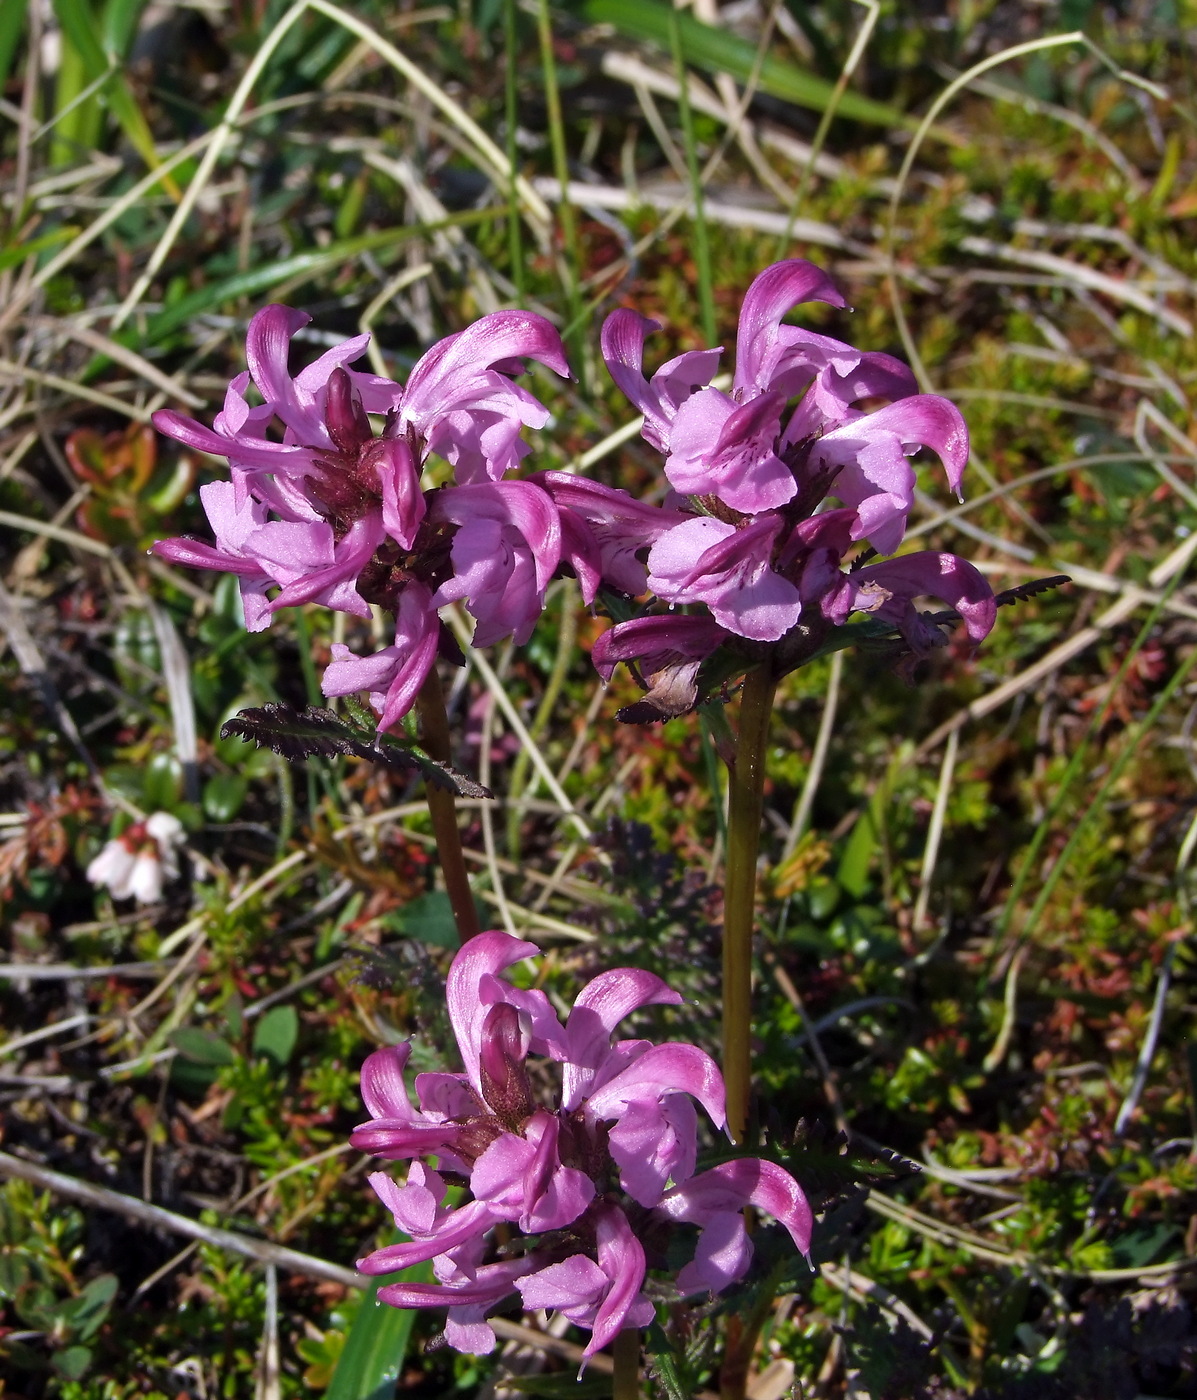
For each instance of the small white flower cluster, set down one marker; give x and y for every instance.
(138, 862)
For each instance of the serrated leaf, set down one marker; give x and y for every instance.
(202, 1047)
(318, 732)
(276, 1033)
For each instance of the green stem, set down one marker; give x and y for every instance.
(434, 734)
(626, 1355)
(745, 800)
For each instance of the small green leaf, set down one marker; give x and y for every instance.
(72, 1362)
(428, 918)
(85, 1314)
(163, 785)
(202, 1047)
(223, 795)
(276, 1033)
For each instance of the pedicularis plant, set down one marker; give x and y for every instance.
(776, 543)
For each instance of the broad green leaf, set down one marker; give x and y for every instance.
(276, 1033)
(707, 46)
(163, 784)
(375, 1349)
(428, 918)
(202, 1047)
(72, 1362)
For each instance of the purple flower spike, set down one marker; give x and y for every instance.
(333, 514)
(626, 1124)
(761, 469)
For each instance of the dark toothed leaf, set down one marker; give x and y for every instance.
(1022, 591)
(317, 732)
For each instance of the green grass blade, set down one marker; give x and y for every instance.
(79, 30)
(702, 243)
(261, 279)
(376, 1347)
(118, 25)
(705, 46)
(12, 24)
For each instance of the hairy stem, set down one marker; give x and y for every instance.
(434, 734)
(745, 799)
(626, 1355)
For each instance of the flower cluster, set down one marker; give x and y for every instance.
(594, 1186)
(137, 863)
(327, 511)
(756, 540)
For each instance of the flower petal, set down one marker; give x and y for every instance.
(664, 1069)
(488, 952)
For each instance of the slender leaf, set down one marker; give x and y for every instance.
(78, 26)
(16, 253)
(376, 1347)
(709, 47)
(12, 24)
(118, 25)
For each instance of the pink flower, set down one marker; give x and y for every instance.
(747, 451)
(760, 542)
(504, 552)
(605, 531)
(626, 1122)
(708, 561)
(394, 675)
(460, 400)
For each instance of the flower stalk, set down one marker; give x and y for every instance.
(625, 1352)
(434, 734)
(745, 799)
